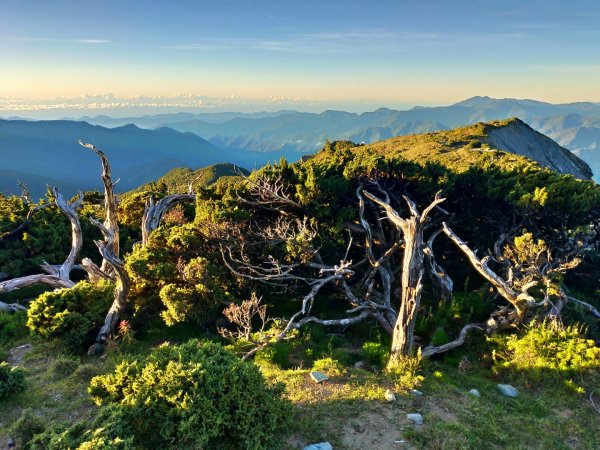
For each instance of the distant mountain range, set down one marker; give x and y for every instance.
(46, 152)
(575, 126)
(40, 152)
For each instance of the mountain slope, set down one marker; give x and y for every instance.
(179, 179)
(575, 126)
(458, 149)
(519, 138)
(46, 152)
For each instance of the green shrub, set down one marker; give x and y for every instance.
(27, 426)
(12, 380)
(12, 325)
(72, 315)
(63, 367)
(277, 353)
(85, 372)
(196, 395)
(376, 353)
(101, 434)
(548, 351)
(332, 367)
(404, 371)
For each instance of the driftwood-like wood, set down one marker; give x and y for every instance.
(56, 276)
(123, 283)
(12, 307)
(520, 300)
(33, 280)
(460, 340)
(110, 204)
(441, 281)
(586, 305)
(154, 212)
(93, 271)
(413, 268)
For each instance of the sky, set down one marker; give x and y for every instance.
(214, 55)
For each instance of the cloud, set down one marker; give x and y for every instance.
(56, 40)
(91, 41)
(346, 42)
(148, 103)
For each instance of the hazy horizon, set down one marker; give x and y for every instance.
(232, 55)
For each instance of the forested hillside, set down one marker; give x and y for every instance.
(311, 301)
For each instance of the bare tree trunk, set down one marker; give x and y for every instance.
(412, 286)
(110, 204)
(153, 212)
(121, 291)
(413, 269)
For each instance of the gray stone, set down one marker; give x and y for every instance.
(389, 396)
(361, 364)
(319, 446)
(318, 377)
(416, 418)
(508, 390)
(474, 393)
(416, 393)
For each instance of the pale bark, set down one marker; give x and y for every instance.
(12, 307)
(121, 290)
(441, 281)
(586, 305)
(153, 212)
(110, 204)
(33, 280)
(56, 276)
(413, 268)
(520, 300)
(460, 340)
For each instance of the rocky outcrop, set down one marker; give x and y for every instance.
(515, 136)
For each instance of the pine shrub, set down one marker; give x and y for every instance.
(12, 380)
(196, 395)
(71, 315)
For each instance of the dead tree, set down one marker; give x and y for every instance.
(539, 270)
(154, 212)
(411, 230)
(106, 249)
(55, 276)
(110, 204)
(372, 294)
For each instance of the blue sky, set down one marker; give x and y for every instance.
(313, 55)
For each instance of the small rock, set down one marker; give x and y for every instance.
(11, 443)
(389, 396)
(359, 428)
(319, 446)
(474, 393)
(416, 418)
(508, 390)
(361, 364)
(318, 377)
(416, 393)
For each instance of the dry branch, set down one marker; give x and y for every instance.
(154, 212)
(56, 276)
(110, 203)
